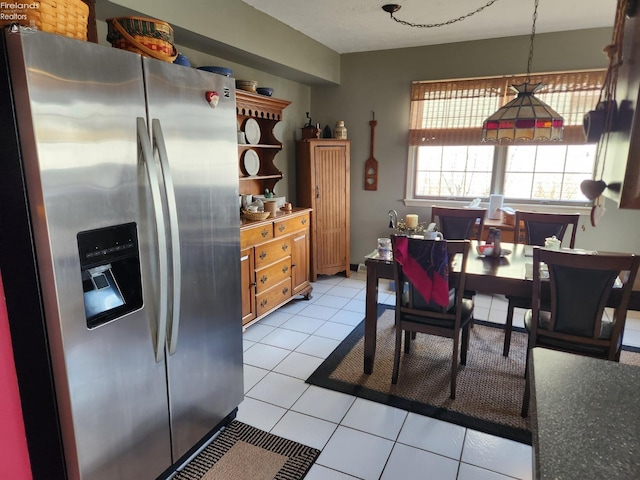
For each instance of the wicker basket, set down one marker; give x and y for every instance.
(146, 36)
(64, 17)
(255, 215)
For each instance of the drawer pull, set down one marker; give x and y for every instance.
(281, 227)
(304, 221)
(264, 233)
(285, 290)
(285, 247)
(285, 269)
(263, 255)
(263, 279)
(263, 303)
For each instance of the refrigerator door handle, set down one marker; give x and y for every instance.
(163, 263)
(159, 144)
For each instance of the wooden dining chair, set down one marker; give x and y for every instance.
(579, 288)
(534, 228)
(418, 263)
(459, 223)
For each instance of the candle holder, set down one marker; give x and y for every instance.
(402, 229)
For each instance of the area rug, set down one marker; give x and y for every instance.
(243, 452)
(489, 388)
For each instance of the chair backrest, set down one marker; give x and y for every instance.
(580, 285)
(458, 223)
(435, 258)
(538, 226)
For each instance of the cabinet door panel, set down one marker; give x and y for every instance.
(331, 206)
(300, 261)
(247, 282)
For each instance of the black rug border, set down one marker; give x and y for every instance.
(320, 378)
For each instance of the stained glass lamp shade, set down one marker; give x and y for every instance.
(523, 118)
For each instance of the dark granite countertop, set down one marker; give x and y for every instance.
(585, 417)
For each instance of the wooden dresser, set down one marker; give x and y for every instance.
(274, 262)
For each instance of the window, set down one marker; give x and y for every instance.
(448, 160)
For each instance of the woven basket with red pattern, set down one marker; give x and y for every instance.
(146, 36)
(63, 17)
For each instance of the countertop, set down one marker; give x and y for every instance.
(585, 417)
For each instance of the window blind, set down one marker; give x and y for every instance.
(451, 112)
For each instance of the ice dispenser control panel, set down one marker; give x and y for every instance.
(110, 267)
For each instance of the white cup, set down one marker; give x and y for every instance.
(433, 236)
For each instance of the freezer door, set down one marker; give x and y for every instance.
(77, 106)
(196, 144)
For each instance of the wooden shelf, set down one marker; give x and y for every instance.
(259, 106)
(245, 146)
(267, 111)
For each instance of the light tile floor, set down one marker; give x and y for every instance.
(360, 439)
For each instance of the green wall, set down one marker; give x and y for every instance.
(381, 82)
(350, 87)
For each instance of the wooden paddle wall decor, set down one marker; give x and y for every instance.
(371, 165)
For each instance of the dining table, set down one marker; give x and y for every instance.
(507, 275)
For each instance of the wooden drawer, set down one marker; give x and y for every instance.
(272, 251)
(273, 297)
(286, 226)
(267, 277)
(254, 235)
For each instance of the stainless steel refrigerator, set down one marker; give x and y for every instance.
(119, 242)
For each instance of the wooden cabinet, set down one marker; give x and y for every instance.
(267, 112)
(275, 262)
(323, 167)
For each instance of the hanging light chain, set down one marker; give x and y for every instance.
(442, 24)
(533, 34)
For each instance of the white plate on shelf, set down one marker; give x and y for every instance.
(251, 162)
(252, 131)
(278, 131)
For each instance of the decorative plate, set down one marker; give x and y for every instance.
(252, 131)
(251, 162)
(278, 131)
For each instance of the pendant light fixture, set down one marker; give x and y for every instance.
(525, 117)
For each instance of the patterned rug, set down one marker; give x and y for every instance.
(489, 388)
(242, 452)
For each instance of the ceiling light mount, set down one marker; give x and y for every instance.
(392, 8)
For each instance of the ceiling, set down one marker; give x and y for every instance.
(348, 26)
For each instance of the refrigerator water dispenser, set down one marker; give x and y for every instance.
(110, 267)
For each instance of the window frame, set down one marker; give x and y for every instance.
(471, 134)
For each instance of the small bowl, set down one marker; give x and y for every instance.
(267, 91)
(227, 72)
(485, 249)
(182, 60)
